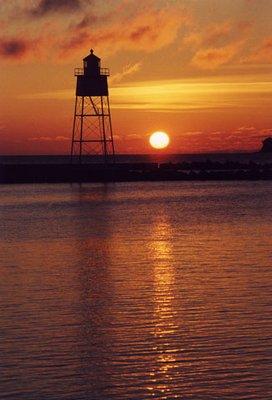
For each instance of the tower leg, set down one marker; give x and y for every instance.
(73, 133)
(92, 129)
(111, 134)
(103, 131)
(81, 129)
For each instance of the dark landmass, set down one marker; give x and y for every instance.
(121, 172)
(267, 145)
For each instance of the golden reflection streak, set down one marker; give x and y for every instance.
(164, 311)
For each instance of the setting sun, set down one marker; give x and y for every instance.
(159, 140)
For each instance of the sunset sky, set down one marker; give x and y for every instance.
(201, 70)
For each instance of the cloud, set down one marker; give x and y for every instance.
(245, 129)
(61, 138)
(214, 35)
(46, 7)
(77, 25)
(193, 133)
(40, 139)
(178, 95)
(48, 139)
(218, 44)
(250, 132)
(128, 69)
(13, 48)
(85, 22)
(133, 136)
(213, 57)
(261, 54)
(223, 140)
(217, 34)
(138, 31)
(24, 48)
(266, 132)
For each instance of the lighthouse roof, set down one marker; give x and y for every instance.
(91, 56)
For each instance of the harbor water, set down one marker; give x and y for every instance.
(148, 290)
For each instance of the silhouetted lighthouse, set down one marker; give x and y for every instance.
(92, 128)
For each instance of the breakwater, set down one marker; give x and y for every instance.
(120, 172)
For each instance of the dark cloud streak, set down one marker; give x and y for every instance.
(86, 22)
(140, 32)
(47, 7)
(13, 48)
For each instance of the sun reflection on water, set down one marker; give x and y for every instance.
(165, 325)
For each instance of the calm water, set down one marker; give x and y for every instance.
(136, 291)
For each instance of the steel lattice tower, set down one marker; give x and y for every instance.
(92, 127)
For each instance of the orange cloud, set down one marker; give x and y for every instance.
(213, 57)
(217, 34)
(262, 54)
(213, 35)
(218, 44)
(119, 26)
(243, 138)
(136, 32)
(127, 70)
(49, 139)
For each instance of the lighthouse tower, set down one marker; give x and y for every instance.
(92, 128)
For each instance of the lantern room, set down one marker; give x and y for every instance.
(91, 65)
(92, 79)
